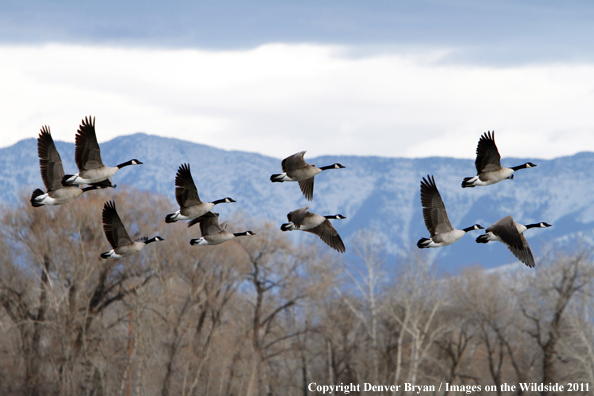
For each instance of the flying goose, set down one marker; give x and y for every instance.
(488, 165)
(52, 173)
(511, 234)
(304, 220)
(436, 218)
(186, 194)
(87, 155)
(118, 237)
(213, 233)
(296, 169)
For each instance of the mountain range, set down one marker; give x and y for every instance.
(378, 195)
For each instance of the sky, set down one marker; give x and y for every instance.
(386, 78)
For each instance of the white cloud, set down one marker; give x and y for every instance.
(278, 99)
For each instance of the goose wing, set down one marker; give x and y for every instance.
(307, 187)
(87, 153)
(210, 224)
(200, 219)
(517, 244)
(112, 226)
(50, 162)
(186, 192)
(487, 155)
(434, 211)
(297, 216)
(104, 184)
(329, 235)
(294, 161)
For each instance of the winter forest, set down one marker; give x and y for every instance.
(265, 316)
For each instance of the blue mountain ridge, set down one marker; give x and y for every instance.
(377, 195)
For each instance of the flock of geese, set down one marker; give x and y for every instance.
(62, 188)
(489, 171)
(95, 175)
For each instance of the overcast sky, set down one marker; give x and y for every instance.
(388, 78)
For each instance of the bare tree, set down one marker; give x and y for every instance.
(414, 306)
(367, 276)
(556, 283)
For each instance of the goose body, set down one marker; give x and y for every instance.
(511, 234)
(52, 173)
(87, 155)
(436, 218)
(116, 234)
(304, 220)
(488, 164)
(214, 233)
(186, 194)
(295, 169)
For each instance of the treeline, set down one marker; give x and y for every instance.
(263, 316)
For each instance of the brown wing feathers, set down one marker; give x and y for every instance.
(434, 211)
(87, 153)
(487, 155)
(50, 162)
(114, 229)
(186, 192)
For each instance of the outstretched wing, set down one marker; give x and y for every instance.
(516, 242)
(87, 153)
(307, 187)
(524, 254)
(200, 219)
(210, 224)
(487, 155)
(112, 226)
(329, 235)
(186, 193)
(297, 216)
(50, 162)
(294, 161)
(434, 211)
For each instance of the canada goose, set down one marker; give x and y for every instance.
(436, 218)
(488, 165)
(52, 173)
(118, 237)
(87, 155)
(304, 220)
(213, 233)
(296, 169)
(511, 234)
(187, 197)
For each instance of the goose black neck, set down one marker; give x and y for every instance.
(128, 163)
(528, 226)
(471, 228)
(154, 239)
(224, 200)
(523, 166)
(333, 166)
(337, 217)
(517, 168)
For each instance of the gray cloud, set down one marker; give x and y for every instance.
(487, 32)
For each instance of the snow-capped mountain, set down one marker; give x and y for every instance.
(376, 194)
